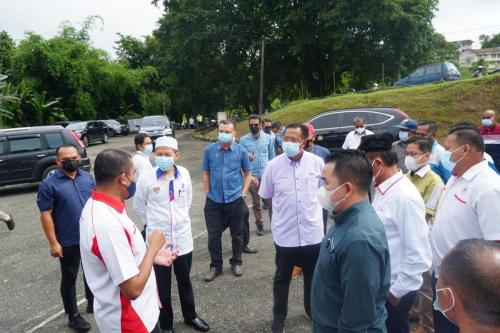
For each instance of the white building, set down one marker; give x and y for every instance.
(463, 45)
(491, 56)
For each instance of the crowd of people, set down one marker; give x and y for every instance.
(414, 232)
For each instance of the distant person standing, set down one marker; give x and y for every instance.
(429, 129)
(191, 122)
(61, 198)
(199, 120)
(277, 130)
(291, 181)
(353, 138)
(490, 131)
(143, 149)
(407, 129)
(226, 179)
(8, 220)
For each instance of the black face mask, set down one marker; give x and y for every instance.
(267, 129)
(70, 165)
(254, 129)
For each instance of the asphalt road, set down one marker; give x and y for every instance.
(29, 276)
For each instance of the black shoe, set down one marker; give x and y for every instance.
(250, 250)
(79, 324)
(260, 230)
(10, 224)
(198, 324)
(90, 307)
(278, 326)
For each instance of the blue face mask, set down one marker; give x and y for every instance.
(131, 189)
(148, 149)
(291, 149)
(487, 122)
(403, 136)
(225, 137)
(165, 163)
(446, 161)
(437, 306)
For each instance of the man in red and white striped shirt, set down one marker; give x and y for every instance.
(490, 131)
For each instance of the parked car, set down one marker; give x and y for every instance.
(62, 123)
(115, 128)
(134, 125)
(156, 126)
(92, 131)
(442, 71)
(28, 154)
(331, 127)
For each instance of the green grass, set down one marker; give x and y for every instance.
(445, 103)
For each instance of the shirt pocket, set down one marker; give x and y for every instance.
(312, 184)
(181, 196)
(284, 185)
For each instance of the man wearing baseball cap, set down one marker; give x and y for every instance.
(164, 195)
(407, 129)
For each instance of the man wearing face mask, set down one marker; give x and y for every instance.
(352, 276)
(277, 130)
(114, 255)
(144, 148)
(61, 198)
(353, 138)
(291, 181)
(467, 208)
(402, 211)
(163, 198)
(490, 131)
(470, 297)
(407, 129)
(226, 179)
(260, 148)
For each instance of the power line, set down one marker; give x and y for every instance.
(467, 30)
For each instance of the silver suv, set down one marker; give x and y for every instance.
(156, 126)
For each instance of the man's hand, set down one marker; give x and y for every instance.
(156, 240)
(56, 250)
(165, 257)
(393, 300)
(255, 181)
(251, 156)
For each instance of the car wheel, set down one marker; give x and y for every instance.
(105, 138)
(49, 171)
(85, 141)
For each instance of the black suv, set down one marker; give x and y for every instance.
(28, 154)
(331, 127)
(91, 131)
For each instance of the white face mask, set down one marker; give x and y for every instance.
(374, 178)
(360, 130)
(412, 163)
(324, 198)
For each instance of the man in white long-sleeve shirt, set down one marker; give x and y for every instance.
(402, 211)
(164, 195)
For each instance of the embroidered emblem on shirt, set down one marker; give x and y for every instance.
(156, 189)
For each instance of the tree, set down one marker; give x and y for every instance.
(490, 41)
(6, 48)
(46, 110)
(7, 97)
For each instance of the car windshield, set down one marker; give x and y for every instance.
(77, 126)
(111, 122)
(160, 121)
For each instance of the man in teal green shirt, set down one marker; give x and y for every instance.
(352, 276)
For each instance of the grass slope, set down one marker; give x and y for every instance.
(445, 103)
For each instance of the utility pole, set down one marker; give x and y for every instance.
(261, 94)
(334, 83)
(383, 74)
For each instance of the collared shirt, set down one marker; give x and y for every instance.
(293, 186)
(399, 147)
(430, 186)
(402, 211)
(319, 151)
(353, 139)
(225, 171)
(262, 149)
(436, 151)
(352, 275)
(112, 249)
(66, 198)
(163, 203)
(490, 135)
(142, 163)
(468, 209)
(445, 174)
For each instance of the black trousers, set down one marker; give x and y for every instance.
(182, 269)
(398, 320)
(441, 324)
(70, 263)
(219, 217)
(246, 225)
(286, 259)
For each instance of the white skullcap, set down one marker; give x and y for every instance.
(166, 141)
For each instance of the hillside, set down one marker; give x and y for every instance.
(446, 103)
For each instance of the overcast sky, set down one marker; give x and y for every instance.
(456, 19)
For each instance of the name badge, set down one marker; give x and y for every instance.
(329, 245)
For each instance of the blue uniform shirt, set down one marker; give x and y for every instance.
(225, 170)
(262, 149)
(352, 275)
(66, 198)
(319, 151)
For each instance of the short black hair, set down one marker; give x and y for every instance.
(111, 163)
(389, 157)
(254, 116)
(226, 122)
(468, 133)
(352, 166)
(139, 139)
(267, 120)
(432, 125)
(66, 145)
(304, 131)
(471, 271)
(424, 144)
(276, 124)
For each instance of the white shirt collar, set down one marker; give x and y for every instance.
(388, 183)
(423, 171)
(474, 170)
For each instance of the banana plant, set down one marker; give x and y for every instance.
(45, 109)
(6, 97)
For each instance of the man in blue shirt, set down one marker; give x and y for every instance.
(61, 198)
(352, 275)
(226, 179)
(260, 148)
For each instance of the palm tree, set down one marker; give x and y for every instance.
(45, 109)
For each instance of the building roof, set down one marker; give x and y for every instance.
(465, 41)
(487, 50)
